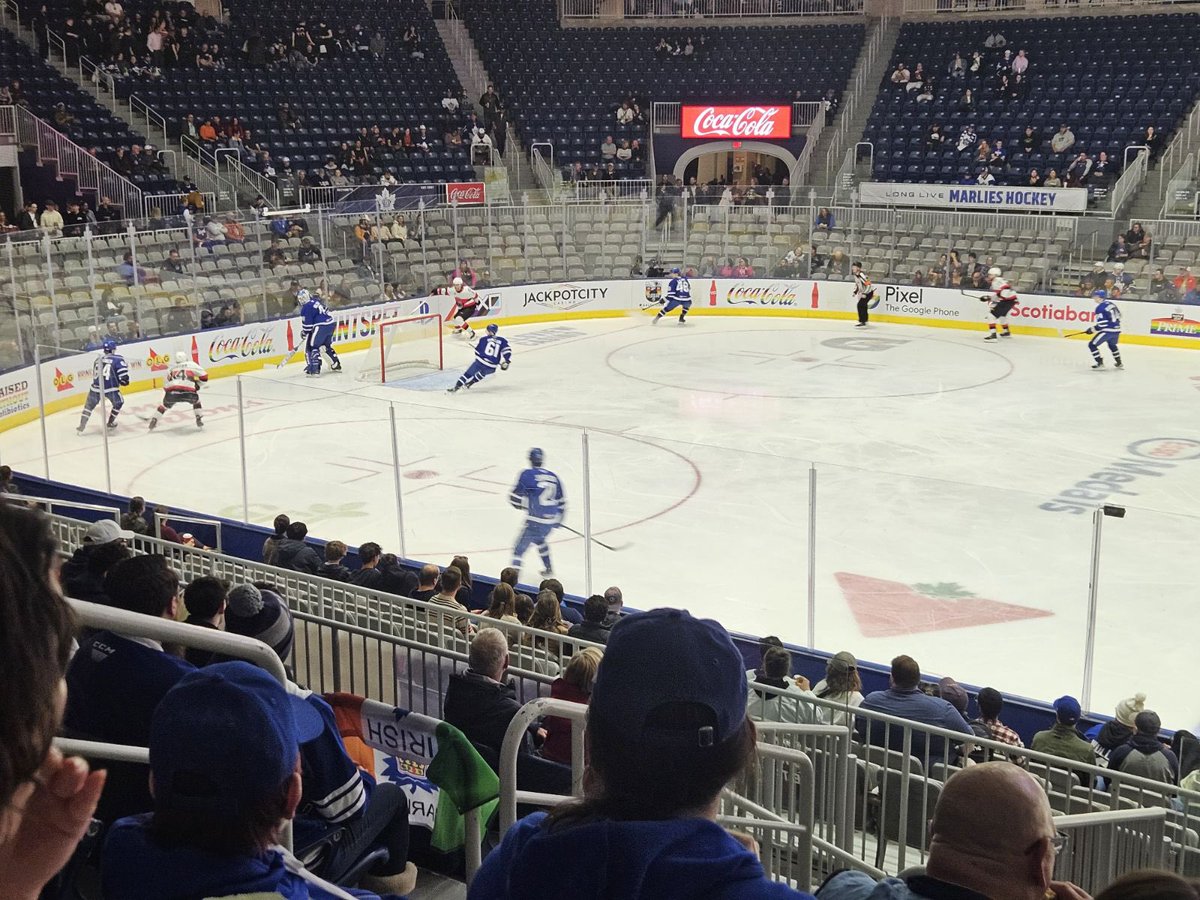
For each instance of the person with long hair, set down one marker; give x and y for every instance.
(575, 684)
(503, 605)
(46, 800)
(667, 730)
(841, 685)
(466, 588)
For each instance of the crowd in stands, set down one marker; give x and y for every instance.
(234, 754)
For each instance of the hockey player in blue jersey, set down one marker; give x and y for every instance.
(1107, 330)
(490, 352)
(109, 375)
(679, 294)
(316, 327)
(539, 493)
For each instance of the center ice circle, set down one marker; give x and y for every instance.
(817, 363)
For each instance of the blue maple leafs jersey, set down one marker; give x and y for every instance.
(110, 373)
(492, 350)
(314, 312)
(679, 289)
(539, 492)
(1108, 317)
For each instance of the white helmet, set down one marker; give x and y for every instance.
(457, 282)
(994, 272)
(181, 357)
(302, 296)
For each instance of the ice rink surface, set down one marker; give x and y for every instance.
(947, 470)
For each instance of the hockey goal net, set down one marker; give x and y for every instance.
(403, 347)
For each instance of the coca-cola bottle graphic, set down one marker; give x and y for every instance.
(290, 339)
(816, 296)
(712, 293)
(195, 352)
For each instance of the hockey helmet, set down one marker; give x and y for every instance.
(181, 357)
(109, 345)
(994, 272)
(493, 328)
(457, 281)
(1100, 294)
(675, 270)
(537, 456)
(302, 296)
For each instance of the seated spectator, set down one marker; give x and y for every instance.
(332, 568)
(7, 486)
(985, 176)
(46, 801)
(901, 74)
(114, 683)
(525, 607)
(1097, 278)
(368, 574)
(547, 616)
(258, 612)
(427, 580)
(1063, 139)
(1122, 279)
(966, 138)
(592, 628)
(1152, 140)
(1110, 735)
(1035, 179)
(992, 835)
(957, 67)
(1118, 250)
(904, 698)
(926, 94)
(569, 615)
(447, 597)
(774, 694)
(208, 131)
(482, 700)
(625, 152)
(205, 601)
(1102, 170)
(293, 553)
(1079, 170)
(624, 113)
(270, 548)
(1063, 739)
(308, 252)
(966, 104)
(274, 256)
(825, 220)
(225, 751)
(575, 686)
(503, 604)
(608, 149)
(52, 220)
(841, 685)
(1160, 287)
(134, 274)
(78, 576)
(1052, 179)
(466, 588)
(991, 702)
(616, 603)
(743, 269)
(1138, 241)
(450, 102)
(670, 687)
(1146, 756)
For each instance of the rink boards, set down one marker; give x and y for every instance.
(63, 382)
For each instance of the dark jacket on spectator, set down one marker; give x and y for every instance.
(397, 580)
(1112, 735)
(333, 570)
(1147, 757)
(79, 581)
(297, 555)
(480, 708)
(589, 631)
(369, 578)
(197, 657)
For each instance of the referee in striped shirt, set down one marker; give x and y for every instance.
(864, 292)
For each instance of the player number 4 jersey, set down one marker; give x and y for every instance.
(539, 492)
(185, 379)
(110, 373)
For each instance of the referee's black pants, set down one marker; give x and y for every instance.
(862, 309)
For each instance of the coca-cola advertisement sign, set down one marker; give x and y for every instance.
(737, 122)
(465, 192)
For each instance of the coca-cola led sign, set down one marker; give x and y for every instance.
(737, 122)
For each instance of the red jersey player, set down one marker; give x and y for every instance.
(182, 386)
(466, 305)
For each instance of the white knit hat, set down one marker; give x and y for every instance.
(1128, 709)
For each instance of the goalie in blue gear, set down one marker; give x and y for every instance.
(316, 327)
(679, 294)
(1106, 330)
(490, 352)
(539, 493)
(109, 374)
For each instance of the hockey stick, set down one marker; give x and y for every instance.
(287, 359)
(1074, 333)
(597, 541)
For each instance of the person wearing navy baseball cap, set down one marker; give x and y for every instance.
(225, 775)
(667, 729)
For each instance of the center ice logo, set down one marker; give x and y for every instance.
(1166, 448)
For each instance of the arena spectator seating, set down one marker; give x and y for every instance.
(90, 125)
(1108, 78)
(564, 85)
(334, 93)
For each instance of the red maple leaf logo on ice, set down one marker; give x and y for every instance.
(885, 608)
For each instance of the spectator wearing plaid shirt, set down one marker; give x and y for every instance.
(990, 703)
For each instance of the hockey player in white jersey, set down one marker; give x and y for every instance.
(679, 294)
(182, 386)
(1000, 301)
(466, 305)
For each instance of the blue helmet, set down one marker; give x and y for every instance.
(302, 296)
(1100, 294)
(537, 456)
(109, 345)
(675, 270)
(493, 328)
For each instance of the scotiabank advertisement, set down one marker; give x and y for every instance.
(64, 381)
(737, 122)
